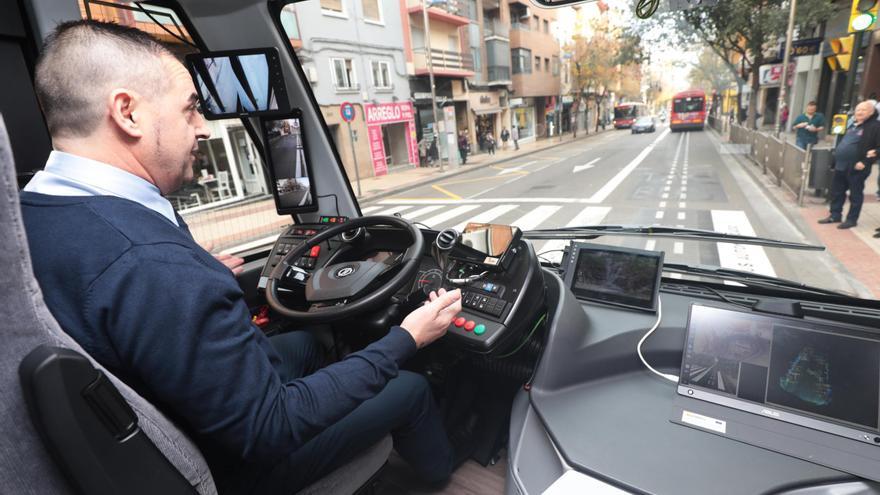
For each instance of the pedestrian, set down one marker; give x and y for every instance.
(514, 134)
(783, 116)
(505, 135)
(852, 165)
(423, 151)
(490, 143)
(463, 146)
(808, 125)
(433, 152)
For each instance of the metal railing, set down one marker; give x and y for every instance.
(445, 59)
(784, 161)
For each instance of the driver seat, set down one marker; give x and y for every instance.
(68, 425)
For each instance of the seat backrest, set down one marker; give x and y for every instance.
(26, 323)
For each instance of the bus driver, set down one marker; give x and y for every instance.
(124, 277)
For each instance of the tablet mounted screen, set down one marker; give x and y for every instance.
(239, 83)
(613, 275)
(289, 169)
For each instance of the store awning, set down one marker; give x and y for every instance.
(487, 111)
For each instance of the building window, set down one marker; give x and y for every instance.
(478, 62)
(546, 26)
(521, 60)
(344, 77)
(288, 22)
(537, 23)
(537, 63)
(372, 10)
(556, 66)
(332, 7)
(519, 16)
(381, 74)
(546, 64)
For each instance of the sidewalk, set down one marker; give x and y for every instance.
(373, 188)
(856, 249)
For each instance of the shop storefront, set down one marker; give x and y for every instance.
(486, 114)
(391, 131)
(523, 116)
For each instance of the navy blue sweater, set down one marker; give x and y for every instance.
(159, 311)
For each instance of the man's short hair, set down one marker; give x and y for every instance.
(82, 61)
(812, 103)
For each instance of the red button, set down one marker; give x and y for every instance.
(316, 250)
(469, 325)
(459, 322)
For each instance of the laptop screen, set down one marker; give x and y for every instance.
(820, 376)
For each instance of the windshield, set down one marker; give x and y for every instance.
(644, 120)
(502, 111)
(689, 104)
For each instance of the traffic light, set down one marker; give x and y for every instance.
(842, 48)
(863, 15)
(838, 124)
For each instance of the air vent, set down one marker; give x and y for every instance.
(351, 235)
(446, 239)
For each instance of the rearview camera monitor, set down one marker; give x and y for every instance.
(289, 168)
(239, 83)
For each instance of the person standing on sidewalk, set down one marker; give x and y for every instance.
(514, 134)
(852, 165)
(490, 143)
(505, 135)
(463, 146)
(808, 125)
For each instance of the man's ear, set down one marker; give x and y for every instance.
(125, 109)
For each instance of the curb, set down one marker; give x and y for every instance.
(462, 170)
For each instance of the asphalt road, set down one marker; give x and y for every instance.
(682, 179)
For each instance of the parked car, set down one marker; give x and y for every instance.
(643, 124)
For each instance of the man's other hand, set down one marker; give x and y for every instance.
(229, 261)
(860, 166)
(872, 154)
(430, 322)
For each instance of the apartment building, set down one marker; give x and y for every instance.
(535, 101)
(352, 51)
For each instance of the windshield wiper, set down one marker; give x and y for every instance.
(748, 278)
(594, 231)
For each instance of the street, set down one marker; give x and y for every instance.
(682, 179)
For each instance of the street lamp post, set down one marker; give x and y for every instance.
(785, 59)
(427, 26)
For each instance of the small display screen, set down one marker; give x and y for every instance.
(791, 365)
(288, 165)
(238, 84)
(617, 276)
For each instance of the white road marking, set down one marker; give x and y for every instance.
(659, 215)
(591, 215)
(665, 195)
(515, 168)
(534, 218)
(675, 275)
(683, 196)
(578, 168)
(650, 244)
(395, 209)
(678, 247)
(682, 215)
(437, 220)
(666, 188)
(370, 209)
(662, 204)
(421, 211)
(682, 204)
(486, 216)
(615, 181)
(740, 256)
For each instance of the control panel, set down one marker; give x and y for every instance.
(293, 237)
(497, 307)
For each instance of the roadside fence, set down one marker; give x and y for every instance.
(792, 167)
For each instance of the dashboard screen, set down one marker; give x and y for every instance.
(246, 82)
(291, 181)
(616, 275)
(792, 370)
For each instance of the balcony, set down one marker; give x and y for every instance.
(499, 75)
(489, 5)
(494, 28)
(445, 63)
(450, 12)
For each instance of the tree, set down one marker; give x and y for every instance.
(710, 72)
(743, 29)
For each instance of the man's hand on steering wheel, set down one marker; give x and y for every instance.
(429, 322)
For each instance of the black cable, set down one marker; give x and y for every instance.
(727, 299)
(335, 201)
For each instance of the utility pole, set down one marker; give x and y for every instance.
(428, 59)
(851, 74)
(785, 59)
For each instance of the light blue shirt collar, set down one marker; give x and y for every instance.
(71, 175)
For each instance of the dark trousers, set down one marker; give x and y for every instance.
(854, 182)
(405, 408)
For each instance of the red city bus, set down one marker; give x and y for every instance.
(688, 110)
(627, 113)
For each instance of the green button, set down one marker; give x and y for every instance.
(480, 329)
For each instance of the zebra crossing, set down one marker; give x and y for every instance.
(565, 212)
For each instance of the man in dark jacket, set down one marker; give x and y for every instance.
(124, 277)
(852, 165)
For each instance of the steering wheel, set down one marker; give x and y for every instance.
(334, 291)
